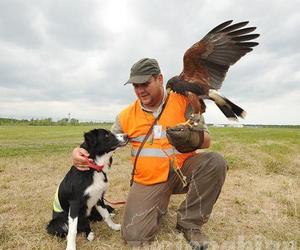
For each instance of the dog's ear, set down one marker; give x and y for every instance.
(90, 140)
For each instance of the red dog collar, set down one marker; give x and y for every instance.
(93, 165)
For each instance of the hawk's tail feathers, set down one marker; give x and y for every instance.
(229, 109)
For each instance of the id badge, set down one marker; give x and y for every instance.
(157, 131)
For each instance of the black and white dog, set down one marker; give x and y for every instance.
(79, 197)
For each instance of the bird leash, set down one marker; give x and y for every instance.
(177, 170)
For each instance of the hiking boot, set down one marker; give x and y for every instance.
(197, 239)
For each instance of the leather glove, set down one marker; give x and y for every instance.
(185, 138)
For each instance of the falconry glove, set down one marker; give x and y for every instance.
(185, 138)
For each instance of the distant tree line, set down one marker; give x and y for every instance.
(47, 122)
(76, 122)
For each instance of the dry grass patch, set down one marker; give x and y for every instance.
(259, 204)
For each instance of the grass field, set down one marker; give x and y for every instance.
(259, 207)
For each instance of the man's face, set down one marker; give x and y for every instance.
(150, 93)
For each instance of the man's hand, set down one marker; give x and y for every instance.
(78, 159)
(184, 138)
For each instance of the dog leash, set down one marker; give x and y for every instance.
(115, 202)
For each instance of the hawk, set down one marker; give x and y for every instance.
(205, 65)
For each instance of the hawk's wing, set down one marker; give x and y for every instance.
(208, 60)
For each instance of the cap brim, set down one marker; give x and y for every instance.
(138, 79)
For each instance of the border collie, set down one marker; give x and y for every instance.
(79, 197)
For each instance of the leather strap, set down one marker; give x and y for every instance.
(146, 138)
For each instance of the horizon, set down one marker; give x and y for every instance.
(232, 123)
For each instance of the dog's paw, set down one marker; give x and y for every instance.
(71, 247)
(91, 236)
(116, 227)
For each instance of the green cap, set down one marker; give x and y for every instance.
(142, 70)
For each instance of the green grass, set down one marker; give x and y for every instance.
(257, 135)
(26, 140)
(276, 150)
(260, 197)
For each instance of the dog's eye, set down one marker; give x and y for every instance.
(107, 135)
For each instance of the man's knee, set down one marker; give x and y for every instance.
(213, 164)
(217, 160)
(218, 165)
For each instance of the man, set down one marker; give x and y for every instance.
(154, 175)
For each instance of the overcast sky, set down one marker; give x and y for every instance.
(73, 56)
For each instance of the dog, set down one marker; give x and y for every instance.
(79, 198)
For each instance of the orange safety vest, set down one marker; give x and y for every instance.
(153, 162)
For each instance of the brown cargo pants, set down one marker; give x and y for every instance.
(145, 205)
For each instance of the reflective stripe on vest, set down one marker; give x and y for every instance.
(154, 152)
(56, 204)
(142, 137)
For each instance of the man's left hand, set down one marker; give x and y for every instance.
(185, 138)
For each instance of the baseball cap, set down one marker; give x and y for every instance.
(142, 70)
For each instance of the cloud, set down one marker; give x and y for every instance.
(74, 56)
(18, 23)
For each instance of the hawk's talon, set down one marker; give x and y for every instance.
(195, 119)
(188, 122)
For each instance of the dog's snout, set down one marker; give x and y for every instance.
(123, 138)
